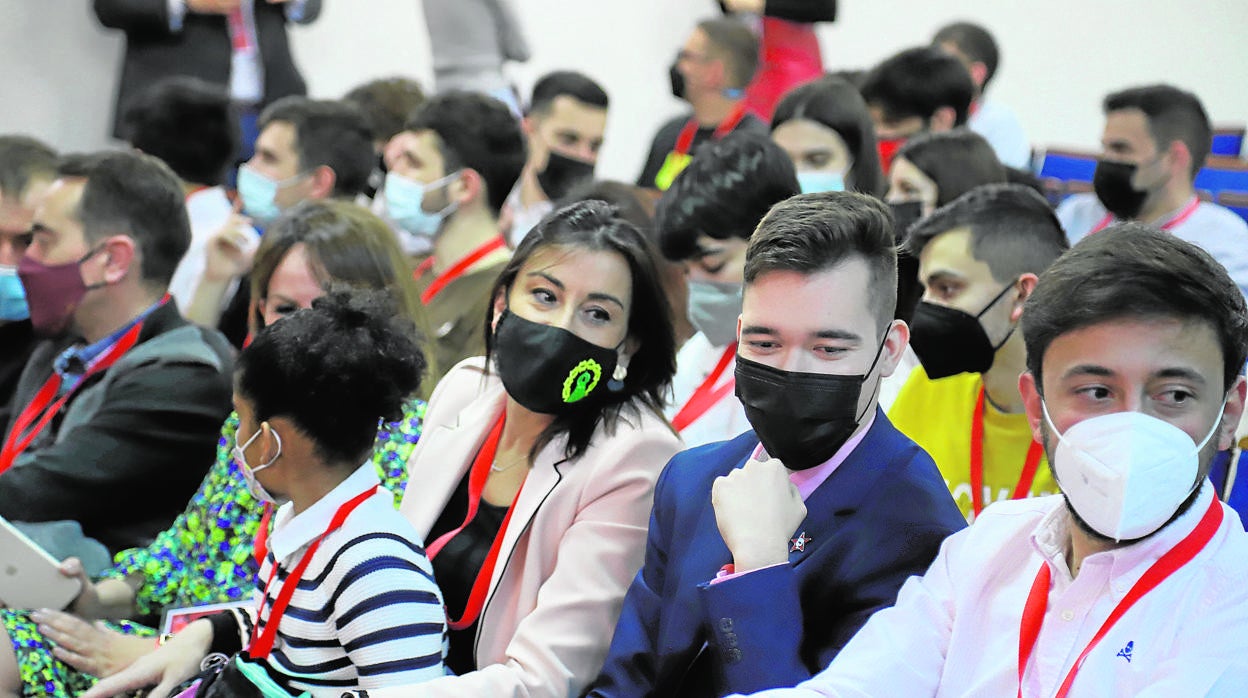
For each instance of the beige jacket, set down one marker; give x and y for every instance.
(576, 540)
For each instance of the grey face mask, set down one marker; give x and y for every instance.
(714, 307)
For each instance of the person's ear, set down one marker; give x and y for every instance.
(270, 443)
(629, 348)
(1233, 413)
(1180, 159)
(466, 188)
(979, 74)
(321, 182)
(943, 119)
(1032, 404)
(718, 73)
(895, 342)
(500, 304)
(121, 257)
(1026, 284)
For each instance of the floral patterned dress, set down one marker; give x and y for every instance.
(205, 557)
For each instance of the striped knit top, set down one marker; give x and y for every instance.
(367, 611)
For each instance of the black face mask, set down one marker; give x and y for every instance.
(548, 369)
(949, 341)
(678, 82)
(562, 173)
(1112, 183)
(905, 214)
(801, 418)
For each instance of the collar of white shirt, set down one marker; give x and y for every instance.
(292, 532)
(1051, 539)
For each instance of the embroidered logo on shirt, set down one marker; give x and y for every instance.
(1125, 652)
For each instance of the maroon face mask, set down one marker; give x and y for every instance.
(53, 292)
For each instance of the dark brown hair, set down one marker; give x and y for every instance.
(1131, 270)
(597, 225)
(814, 232)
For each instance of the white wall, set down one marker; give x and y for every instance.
(57, 67)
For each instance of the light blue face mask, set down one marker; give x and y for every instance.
(259, 193)
(714, 307)
(405, 200)
(815, 182)
(12, 296)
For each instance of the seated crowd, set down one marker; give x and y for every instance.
(830, 401)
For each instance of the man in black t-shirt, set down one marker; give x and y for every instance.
(710, 73)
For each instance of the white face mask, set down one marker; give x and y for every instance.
(249, 473)
(1126, 474)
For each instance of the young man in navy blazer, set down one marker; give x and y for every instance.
(768, 552)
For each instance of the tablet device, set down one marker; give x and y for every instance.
(177, 618)
(29, 577)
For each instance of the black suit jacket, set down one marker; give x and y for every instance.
(879, 518)
(132, 443)
(201, 49)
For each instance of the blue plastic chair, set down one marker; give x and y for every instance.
(1228, 141)
(1223, 476)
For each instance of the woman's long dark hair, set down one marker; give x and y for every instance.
(597, 226)
(836, 104)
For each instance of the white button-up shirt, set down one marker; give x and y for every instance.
(955, 630)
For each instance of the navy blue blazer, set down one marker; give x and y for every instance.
(879, 518)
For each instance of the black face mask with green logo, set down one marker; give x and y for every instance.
(549, 369)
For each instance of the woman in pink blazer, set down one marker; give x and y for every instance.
(534, 477)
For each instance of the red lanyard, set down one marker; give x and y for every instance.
(457, 269)
(685, 140)
(477, 477)
(240, 36)
(707, 395)
(1038, 597)
(1178, 219)
(262, 642)
(1025, 478)
(42, 408)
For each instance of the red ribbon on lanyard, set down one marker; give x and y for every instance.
(707, 395)
(262, 642)
(477, 477)
(1025, 478)
(1168, 564)
(685, 140)
(1178, 218)
(44, 406)
(456, 270)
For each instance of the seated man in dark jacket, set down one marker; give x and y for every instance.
(115, 417)
(766, 553)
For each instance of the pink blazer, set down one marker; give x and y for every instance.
(576, 540)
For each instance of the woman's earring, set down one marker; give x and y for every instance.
(616, 384)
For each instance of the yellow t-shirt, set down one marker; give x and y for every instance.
(936, 414)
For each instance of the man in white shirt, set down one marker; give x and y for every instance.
(1155, 140)
(1131, 582)
(564, 127)
(975, 47)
